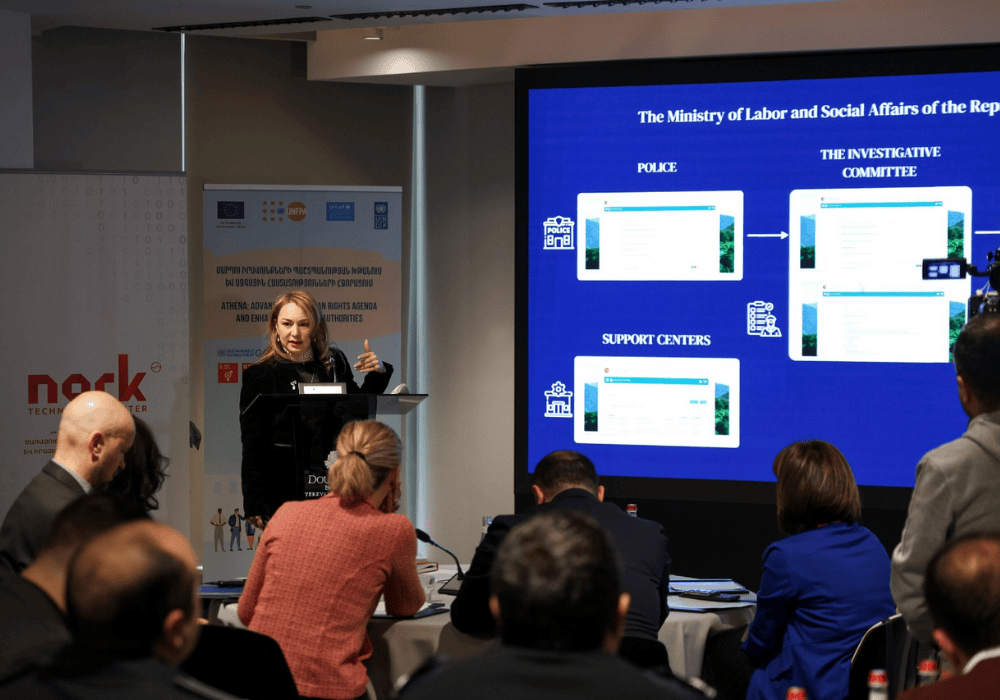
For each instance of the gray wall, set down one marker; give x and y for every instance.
(107, 100)
(15, 85)
(470, 317)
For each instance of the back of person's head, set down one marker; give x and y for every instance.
(962, 588)
(86, 518)
(976, 351)
(557, 583)
(367, 453)
(558, 471)
(131, 589)
(815, 486)
(145, 469)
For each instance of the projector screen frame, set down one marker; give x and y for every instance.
(698, 70)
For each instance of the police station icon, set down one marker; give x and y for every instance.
(760, 321)
(558, 232)
(558, 402)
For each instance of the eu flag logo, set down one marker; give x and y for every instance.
(230, 210)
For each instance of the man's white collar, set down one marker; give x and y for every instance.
(87, 488)
(981, 656)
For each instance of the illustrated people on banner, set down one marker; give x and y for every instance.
(251, 531)
(235, 527)
(218, 521)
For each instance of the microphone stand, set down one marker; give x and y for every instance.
(424, 537)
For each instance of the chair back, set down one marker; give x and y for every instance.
(886, 644)
(242, 663)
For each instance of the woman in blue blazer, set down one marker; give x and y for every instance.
(822, 586)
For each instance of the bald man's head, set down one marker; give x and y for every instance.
(95, 432)
(131, 592)
(963, 591)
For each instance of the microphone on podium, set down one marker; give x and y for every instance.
(424, 537)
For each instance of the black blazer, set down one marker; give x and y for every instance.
(267, 471)
(31, 514)
(641, 545)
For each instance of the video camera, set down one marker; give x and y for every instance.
(984, 301)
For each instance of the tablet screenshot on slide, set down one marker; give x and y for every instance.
(667, 401)
(660, 236)
(855, 288)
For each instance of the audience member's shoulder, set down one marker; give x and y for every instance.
(510, 520)
(196, 689)
(397, 524)
(674, 688)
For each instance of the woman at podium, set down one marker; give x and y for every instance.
(298, 352)
(322, 564)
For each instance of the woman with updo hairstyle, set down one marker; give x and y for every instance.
(822, 586)
(298, 352)
(321, 566)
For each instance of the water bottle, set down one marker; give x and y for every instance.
(927, 672)
(878, 684)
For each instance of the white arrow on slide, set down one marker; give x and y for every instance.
(767, 235)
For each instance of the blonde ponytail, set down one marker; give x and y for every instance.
(367, 452)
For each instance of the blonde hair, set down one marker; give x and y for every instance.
(318, 333)
(367, 453)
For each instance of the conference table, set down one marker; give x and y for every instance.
(401, 645)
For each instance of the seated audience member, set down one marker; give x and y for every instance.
(321, 566)
(94, 433)
(145, 469)
(963, 593)
(957, 484)
(567, 479)
(558, 599)
(131, 599)
(822, 586)
(33, 604)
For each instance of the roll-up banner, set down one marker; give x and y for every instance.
(95, 283)
(340, 244)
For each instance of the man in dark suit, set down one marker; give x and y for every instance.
(94, 433)
(558, 595)
(962, 587)
(235, 527)
(567, 479)
(131, 600)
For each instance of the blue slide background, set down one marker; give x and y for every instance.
(882, 416)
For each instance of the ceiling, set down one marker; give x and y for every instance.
(145, 15)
